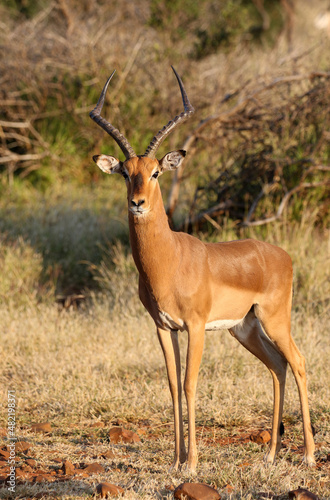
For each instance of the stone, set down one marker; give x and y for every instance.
(68, 468)
(302, 494)
(23, 446)
(228, 489)
(196, 491)
(108, 454)
(43, 427)
(31, 462)
(263, 437)
(94, 468)
(4, 454)
(98, 424)
(40, 478)
(118, 434)
(46, 494)
(106, 490)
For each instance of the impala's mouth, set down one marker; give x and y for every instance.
(139, 211)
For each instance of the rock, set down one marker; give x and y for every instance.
(262, 437)
(31, 462)
(46, 494)
(98, 424)
(196, 491)
(23, 446)
(40, 478)
(302, 494)
(94, 468)
(109, 490)
(117, 434)
(4, 454)
(43, 427)
(228, 489)
(108, 454)
(68, 468)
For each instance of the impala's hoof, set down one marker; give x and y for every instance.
(309, 461)
(269, 459)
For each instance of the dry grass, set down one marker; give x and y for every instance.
(102, 362)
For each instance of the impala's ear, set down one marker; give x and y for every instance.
(172, 160)
(109, 164)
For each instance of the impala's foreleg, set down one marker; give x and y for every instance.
(170, 346)
(194, 357)
(252, 337)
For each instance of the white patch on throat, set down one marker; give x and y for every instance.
(222, 324)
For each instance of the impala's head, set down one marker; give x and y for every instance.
(141, 176)
(141, 172)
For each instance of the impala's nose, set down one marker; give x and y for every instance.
(138, 203)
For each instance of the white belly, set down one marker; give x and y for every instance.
(222, 324)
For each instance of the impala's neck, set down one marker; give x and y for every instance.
(153, 243)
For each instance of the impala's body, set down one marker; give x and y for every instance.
(185, 284)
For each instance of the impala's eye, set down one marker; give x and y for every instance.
(156, 174)
(125, 176)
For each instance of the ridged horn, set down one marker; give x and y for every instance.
(172, 124)
(115, 134)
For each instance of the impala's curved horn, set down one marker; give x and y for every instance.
(115, 134)
(172, 124)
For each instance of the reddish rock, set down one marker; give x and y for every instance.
(196, 491)
(3, 432)
(262, 437)
(118, 434)
(27, 468)
(43, 427)
(45, 494)
(4, 454)
(40, 478)
(98, 424)
(81, 472)
(21, 473)
(94, 468)
(302, 494)
(108, 454)
(228, 489)
(106, 490)
(68, 468)
(23, 446)
(31, 462)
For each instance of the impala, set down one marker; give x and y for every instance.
(243, 286)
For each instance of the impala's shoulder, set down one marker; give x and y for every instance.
(273, 254)
(189, 239)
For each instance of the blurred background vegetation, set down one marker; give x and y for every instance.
(257, 73)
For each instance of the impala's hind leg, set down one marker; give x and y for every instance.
(251, 336)
(277, 327)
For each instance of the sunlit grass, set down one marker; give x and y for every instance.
(102, 361)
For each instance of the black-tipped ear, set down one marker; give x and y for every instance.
(108, 164)
(172, 160)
